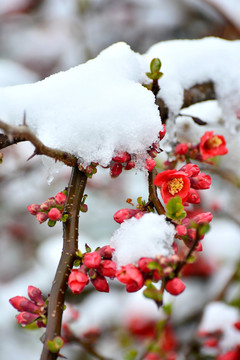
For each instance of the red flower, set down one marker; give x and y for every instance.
(77, 281)
(60, 198)
(25, 318)
(212, 145)
(92, 260)
(54, 214)
(107, 268)
(131, 276)
(100, 283)
(124, 214)
(173, 183)
(23, 304)
(181, 149)
(175, 286)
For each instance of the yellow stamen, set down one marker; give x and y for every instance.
(175, 185)
(214, 142)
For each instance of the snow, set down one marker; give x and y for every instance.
(220, 316)
(189, 62)
(148, 236)
(104, 96)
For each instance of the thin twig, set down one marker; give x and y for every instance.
(23, 133)
(153, 197)
(70, 244)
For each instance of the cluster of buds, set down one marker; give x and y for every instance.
(52, 209)
(124, 214)
(94, 266)
(33, 310)
(89, 170)
(210, 145)
(122, 160)
(149, 270)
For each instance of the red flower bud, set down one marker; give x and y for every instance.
(116, 170)
(54, 214)
(60, 198)
(149, 164)
(181, 149)
(100, 283)
(92, 260)
(162, 133)
(122, 157)
(41, 217)
(131, 276)
(130, 165)
(143, 264)
(21, 303)
(45, 205)
(25, 318)
(237, 325)
(106, 252)
(203, 218)
(124, 214)
(181, 230)
(35, 295)
(175, 286)
(201, 181)
(190, 169)
(107, 268)
(193, 196)
(77, 281)
(33, 209)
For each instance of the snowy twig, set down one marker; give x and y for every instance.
(23, 133)
(153, 197)
(196, 94)
(70, 244)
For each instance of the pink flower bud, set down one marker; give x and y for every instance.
(41, 217)
(100, 284)
(193, 196)
(201, 181)
(106, 252)
(33, 209)
(107, 268)
(198, 247)
(122, 157)
(181, 230)
(203, 218)
(131, 276)
(124, 214)
(77, 281)
(181, 149)
(45, 205)
(92, 260)
(175, 286)
(130, 165)
(143, 264)
(60, 198)
(140, 214)
(54, 214)
(149, 164)
(116, 170)
(21, 303)
(35, 295)
(162, 133)
(25, 318)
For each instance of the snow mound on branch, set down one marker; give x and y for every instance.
(220, 316)
(90, 111)
(148, 236)
(186, 63)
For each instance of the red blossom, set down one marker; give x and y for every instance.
(201, 181)
(143, 264)
(122, 157)
(107, 268)
(100, 283)
(162, 133)
(173, 183)
(212, 145)
(131, 276)
(124, 214)
(41, 217)
(60, 198)
(193, 197)
(175, 286)
(230, 355)
(33, 209)
(149, 164)
(77, 281)
(190, 169)
(130, 165)
(106, 252)
(115, 170)
(181, 230)
(181, 149)
(92, 260)
(54, 214)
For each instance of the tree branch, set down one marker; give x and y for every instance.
(23, 133)
(70, 244)
(153, 197)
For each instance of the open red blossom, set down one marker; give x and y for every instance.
(212, 145)
(77, 281)
(131, 276)
(173, 183)
(175, 286)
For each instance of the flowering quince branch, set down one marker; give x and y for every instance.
(23, 133)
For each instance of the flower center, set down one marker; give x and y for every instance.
(214, 142)
(175, 185)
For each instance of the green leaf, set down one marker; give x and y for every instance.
(64, 218)
(55, 345)
(155, 65)
(149, 75)
(175, 209)
(203, 228)
(131, 355)
(151, 292)
(88, 249)
(167, 309)
(51, 223)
